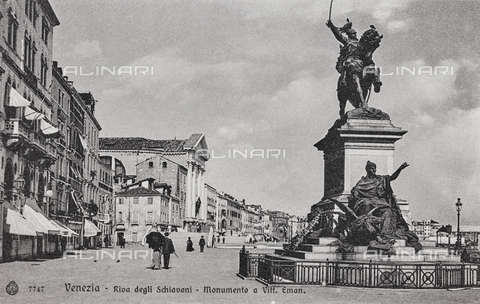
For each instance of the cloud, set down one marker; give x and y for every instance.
(398, 25)
(87, 49)
(235, 131)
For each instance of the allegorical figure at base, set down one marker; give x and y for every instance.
(378, 220)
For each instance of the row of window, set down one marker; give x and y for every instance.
(29, 45)
(135, 216)
(135, 200)
(150, 164)
(121, 200)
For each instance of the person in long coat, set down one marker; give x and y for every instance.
(189, 245)
(168, 249)
(156, 241)
(201, 243)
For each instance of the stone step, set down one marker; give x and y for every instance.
(316, 248)
(428, 243)
(321, 240)
(331, 256)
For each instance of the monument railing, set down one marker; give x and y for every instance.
(277, 270)
(248, 266)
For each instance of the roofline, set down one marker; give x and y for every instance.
(50, 12)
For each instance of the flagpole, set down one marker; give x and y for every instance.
(330, 11)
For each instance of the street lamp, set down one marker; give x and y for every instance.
(18, 184)
(459, 208)
(49, 195)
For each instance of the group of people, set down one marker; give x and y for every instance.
(201, 243)
(161, 245)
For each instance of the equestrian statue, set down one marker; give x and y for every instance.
(358, 72)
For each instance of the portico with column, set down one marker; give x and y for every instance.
(197, 155)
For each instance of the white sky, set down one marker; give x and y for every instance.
(260, 74)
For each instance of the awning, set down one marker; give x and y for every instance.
(120, 227)
(47, 128)
(19, 225)
(17, 100)
(69, 232)
(63, 230)
(83, 142)
(90, 229)
(39, 220)
(31, 114)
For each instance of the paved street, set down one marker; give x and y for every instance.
(195, 271)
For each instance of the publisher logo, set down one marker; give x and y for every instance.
(12, 288)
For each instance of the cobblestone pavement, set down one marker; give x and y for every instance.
(62, 280)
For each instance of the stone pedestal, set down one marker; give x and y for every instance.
(361, 135)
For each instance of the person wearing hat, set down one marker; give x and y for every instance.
(168, 249)
(156, 241)
(201, 243)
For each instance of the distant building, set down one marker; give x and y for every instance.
(426, 228)
(212, 212)
(179, 163)
(279, 224)
(139, 207)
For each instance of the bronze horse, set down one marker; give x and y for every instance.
(360, 73)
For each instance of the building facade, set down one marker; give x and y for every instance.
(139, 207)
(28, 149)
(179, 163)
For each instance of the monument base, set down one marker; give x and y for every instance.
(328, 248)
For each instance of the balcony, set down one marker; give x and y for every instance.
(15, 127)
(38, 140)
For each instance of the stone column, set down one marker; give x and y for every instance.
(194, 191)
(203, 207)
(188, 200)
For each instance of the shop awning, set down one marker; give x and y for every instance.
(90, 229)
(19, 225)
(63, 230)
(40, 221)
(16, 99)
(69, 232)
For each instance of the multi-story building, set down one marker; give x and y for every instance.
(426, 228)
(211, 217)
(255, 215)
(279, 225)
(221, 213)
(105, 202)
(233, 215)
(26, 125)
(266, 222)
(179, 163)
(60, 171)
(138, 207)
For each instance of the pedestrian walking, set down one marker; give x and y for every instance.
(168, 249)
(223, 239)
(190, 245)
(201, 243)
(156, 241)
(121, 241)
